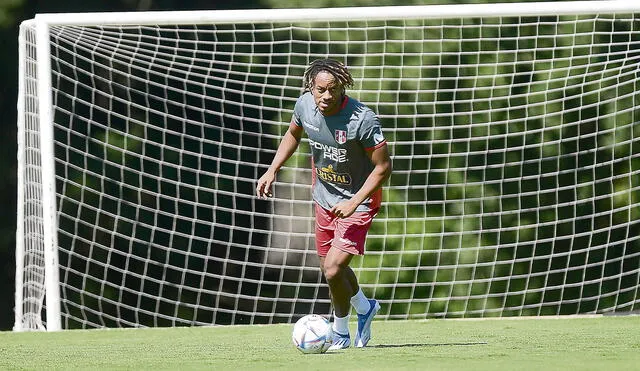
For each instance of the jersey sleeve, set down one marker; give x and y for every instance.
(370, 133)
(296, 119)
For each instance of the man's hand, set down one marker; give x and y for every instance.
(344, 209)
(287, 146)
(263, 190)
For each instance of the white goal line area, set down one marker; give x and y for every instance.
(513, 130)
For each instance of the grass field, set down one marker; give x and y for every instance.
(566, 343)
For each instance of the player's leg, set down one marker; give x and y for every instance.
(337, 272)
(359, 300)
(324, 230)
(345, 291)
(340, 322)
(366, 310)
(337, 241)
(350, 236)
(336, 268)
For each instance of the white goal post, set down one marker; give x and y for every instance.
(513, 130)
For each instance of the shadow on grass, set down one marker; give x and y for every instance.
(426, 345)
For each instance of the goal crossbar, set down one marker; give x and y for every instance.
(299, 15)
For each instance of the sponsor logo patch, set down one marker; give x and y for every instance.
(309, 126)
(330, 152)
(329, 175)
(347, 242)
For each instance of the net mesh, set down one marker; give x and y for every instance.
(515, 191)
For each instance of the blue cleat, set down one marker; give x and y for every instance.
(364, 324)
(340, 341)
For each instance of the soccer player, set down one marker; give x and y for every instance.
(350, 163)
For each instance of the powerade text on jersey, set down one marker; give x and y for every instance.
(338, 146)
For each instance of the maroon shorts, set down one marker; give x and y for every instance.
(346, 234)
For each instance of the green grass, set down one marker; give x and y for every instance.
(595, 343)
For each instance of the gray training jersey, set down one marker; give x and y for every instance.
(338, 144)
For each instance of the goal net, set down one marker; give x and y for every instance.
(513, 130)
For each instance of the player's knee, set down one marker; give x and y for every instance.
(331, 271)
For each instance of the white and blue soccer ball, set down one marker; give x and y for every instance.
(312, 334)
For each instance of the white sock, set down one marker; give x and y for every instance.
(360, 302)
(341, 324)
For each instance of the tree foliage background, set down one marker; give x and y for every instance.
(13, 12)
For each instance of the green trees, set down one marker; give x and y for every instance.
(513, 146)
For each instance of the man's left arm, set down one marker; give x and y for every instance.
(381, 171)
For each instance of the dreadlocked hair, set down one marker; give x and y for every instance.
(337, 69)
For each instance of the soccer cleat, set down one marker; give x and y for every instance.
(364, 324)
(340, 341)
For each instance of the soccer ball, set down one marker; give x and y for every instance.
(312, 334)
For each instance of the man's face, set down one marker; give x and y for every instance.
(327, 93)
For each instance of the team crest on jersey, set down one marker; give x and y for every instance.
(341, 136)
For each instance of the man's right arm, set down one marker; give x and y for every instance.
(287, 147)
